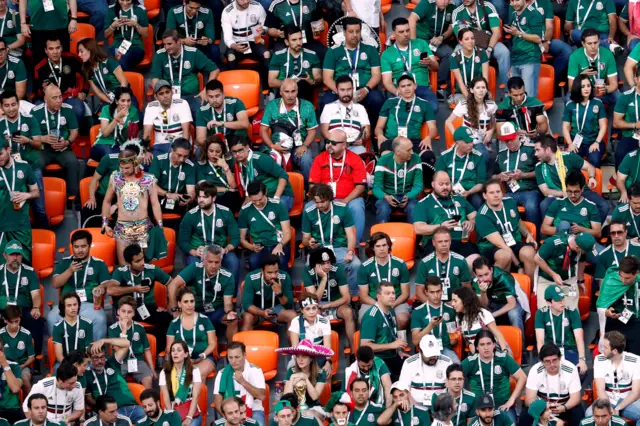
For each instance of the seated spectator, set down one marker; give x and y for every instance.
(221, 115)
(258, 220)
(213, 167)
(19, 344)
(62, 390)
(288, 128)
(403, 409)
(374, 372)
(175, 177)
(312, 326)
(10, 387)
(294, 61)
(527, 112)
(195, 27)
(467, 63)
(466, 400)
(468, 164)
(243, 379)
(629, 212)
(128, 24)
(232, 413)
(107, 412)
(73, 332)
(88, 277)
(200, 335)
(15, 73)
(180, 65)
(181, 383)
(119, 122)
(344, 172)
(348, 116)
(620, 245)
(585, 131)
(624, 119)
(43, 23)
(287, 413)
(150, 401)
(604, 414)
(303, 14)
(563, 328)
(602, 22)
(38, 408)
(488, 414)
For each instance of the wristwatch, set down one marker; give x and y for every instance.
(583, 358)
(279, 295)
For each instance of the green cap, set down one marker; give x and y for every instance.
(553, 292)
(585, 241)
(281, 405)
(464, 134)
(536, 409)
(4, 143)
(14, 247)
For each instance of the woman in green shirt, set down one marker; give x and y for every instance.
(119, 122)
(466, 64)
(214, 167)
(584, 122)
(127, 24)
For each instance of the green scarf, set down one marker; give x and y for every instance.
(227, 387)
(183, 392)
(612, 289)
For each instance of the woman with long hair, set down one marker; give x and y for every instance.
(478, 112)
(128, 24)
(180, 383)
(471, 317)
(467, 63)
(119, 122)
(213, 166)
(584, 122)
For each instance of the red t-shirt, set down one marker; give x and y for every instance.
(346, 179)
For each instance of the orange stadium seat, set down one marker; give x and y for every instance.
(51, 352)
(532, 228)
(546, 85)
(160, 295)
(55, 201)
(136, 389)
(244, 85)
(514, 339)
(84, 31)
(335, 347)
(261, 346)
(153, 9)
(403, 238)
(149, 49)
(598, 188)
(103, 247)
(84, 190)
(43, 254)
(448, 137)
(297, 184)
(136, 83)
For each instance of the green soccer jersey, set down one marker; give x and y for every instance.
(422, 315)
(93, 273)
(17, 177)
(392, 178)
(371, 273)
(134, 13)
(336, 278)
(615, 421)
(610, 256)
(104, 76)
(137, 337)
(73, 337)
(289, 65)
(501, 287)
(26, 126)
(368, 416)
(120, 421)
(624, 212)
(584, 213)
(210, 291)
(634, 56)
(62, 121)
(453, 272)
(110, 382)
(548, 173)
(500, 418)
(18, 347)
(328, 228)
(591, 14)
(183, 69)
(468, 170)
(477, 19)
(300, 14)
(120, 133)
(107, 165)
(229, 112)
(214, 174)
(173, 179)
(201, 229)
(196, 27)
(494, 373)
(196, 338)
(605, 64)
(553, 251)
(11, 72)
(380, 328)
(304, 419)
(356, 62)
(434, 210)
(628, 104)
(10, 400)
(10, 24)
(416, 415)
(466, 403)
(264, 168)
(544, 7)
(262, 223)
(261, 295)
(17, 286)
(504, 221)
(149, 275)
(470, 67)
(432, 21)
(401, 113)
(531, 22)
(559, 329)
(523, 159)
(508, 111)
(397, 61)
(166, 418)
(302, 116)
(55, 19)
(584, 119)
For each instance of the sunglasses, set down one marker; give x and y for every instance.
(330, 142)
(617, 232)
(165, 119)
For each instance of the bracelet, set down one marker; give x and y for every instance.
(189, 417)
(160, 223)
(105, 220)
(580, 281)
(73, 18)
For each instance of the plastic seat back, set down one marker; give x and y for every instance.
(244, 85)
(136, 389)
(167, 263)
(403, 238)
(43, 252)
(261, 346)
(297, 184)
(546, 85)
(136, 83)
(447, 134)
(84, 31)
(532, 228)
(149, 49)
(102, 247)
(84, 190)
(55, 202)
(513, 336)
(335, 347)
(598, 188)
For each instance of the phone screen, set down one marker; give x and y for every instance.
(457, 217)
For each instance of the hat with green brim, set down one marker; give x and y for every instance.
(585, 241)
(464, 134)
(553, 292)
(536, 409)
(281, 405)
(14, 247)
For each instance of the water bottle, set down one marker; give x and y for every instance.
(278, 390)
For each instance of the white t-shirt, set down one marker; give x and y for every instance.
(243, 21)
(486, 115)
(177, 114)
(558, 387)
(61, 403)
(195, 378)
(368, 11)
(315, 332)
(252, 374)
(485, 318)
(424, 380)
(627, 372)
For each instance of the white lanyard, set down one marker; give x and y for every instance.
(186, 24)
(464, 68)
(344, 160)
(453, 167)
(132, 28)
(133, 282)
(57, 79)
(407, 67)
(388, 271)
(179, 173)
(245, 183)
(445, 210)
(384, 317)
(6, 122)
(6, 74)
(352, 66)
(395, 177)
(584, 116)
(171, 66)
(342, 117)
(444, 20)
(362, 413)
(11, 187)
(330, 227)
(459, 403)
(447, 269)
(100, 79)
(4, 21)
(440, 310)
(84, 279)
(290, 56)
(283, 109)
(215, 287)
(413, 101)
(6, 283)
(224, 114)
(553, 328)
(400, 417)
(585, 15)
(273, 295)
(46, 118)
(266, 218)
(195, 325)
(293, 15)
(517, 159)
(626, 251)
(505, 227)
(106, 381)
(213, 226)
(482, 377)
(66, 336)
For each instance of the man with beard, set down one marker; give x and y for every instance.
(288, 127)
(15, 73)
(134, 191)
(223, 115)
(106, 409)
(374, 371)
(465, 400)
(487, 415)
(403, 409)
(233, 414)
(175, 177)
(619, 248)
(155, 415)
(443, 208)
(339, 409)
(629, 212)
(346, 115)
(364, 411)
(527, 112)
(295, 62)
(291, 416)
(428, 366)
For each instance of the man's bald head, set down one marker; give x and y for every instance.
(288, 83)
(338, 135)
(53, 97)
(401, 142)
(289, 92)
(52, 90)
(441, 184)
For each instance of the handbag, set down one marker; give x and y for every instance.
(183, 409)
(481, 36)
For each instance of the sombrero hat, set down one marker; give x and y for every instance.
(306, 347)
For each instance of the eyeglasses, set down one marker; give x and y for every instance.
(330, 142)
(617, 232)
(237, 151)
(579, 191)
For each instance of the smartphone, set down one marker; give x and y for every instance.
(593, 67)
(457, 217)
(438, 318)
(146, 282)
(424, 55)
(76, 260)
(15, 134)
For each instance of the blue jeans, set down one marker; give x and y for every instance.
(571, 355)
(97, 10)
(601, 203)
(194, 103)
(476, 200)
(610, 99)
(211, 51)
(576, 36)
(516, 315)
(502, 7)
(503, 56)
(78, 108)
(97, 317)
(444, 51)
(287, 200)
(512, 415)
(259, 417)
(162, 148)
(595, 157)
(384, 209)
(426, 93)
(230, 262)
(530, 74)
(530, 200)
(39, 211)
(130, 60)
(356, 207)
(560, 52)
(100, 150)
(632, 44)
(626, 145)
(304, 163)
(135, 413)
(451, 354)
(350, 268)
(265, 3)
(255, 259)
(482, 149)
